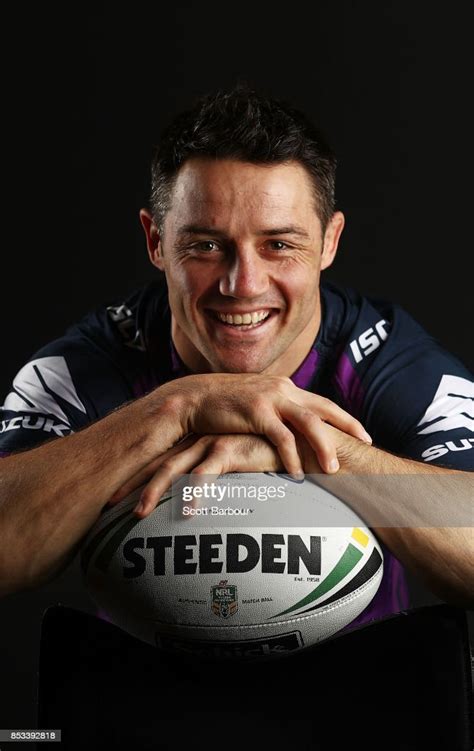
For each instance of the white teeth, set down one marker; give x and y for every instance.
(245, 318)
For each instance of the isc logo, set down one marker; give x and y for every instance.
(369, 340)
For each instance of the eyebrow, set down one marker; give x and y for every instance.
(195, 229)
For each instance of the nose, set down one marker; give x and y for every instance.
(246, 275)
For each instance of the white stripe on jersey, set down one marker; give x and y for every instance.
(452, 406)
(29, 394)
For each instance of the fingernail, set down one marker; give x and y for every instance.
(298, 475)
(333, 465)
(139, 507)
(367, 437)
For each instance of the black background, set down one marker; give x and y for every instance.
(87, 89)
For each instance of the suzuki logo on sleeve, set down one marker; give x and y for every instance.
(452, 406)
(38, 422)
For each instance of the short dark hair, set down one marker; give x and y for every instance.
(244, 125)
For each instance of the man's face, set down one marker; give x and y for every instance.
(242, 250)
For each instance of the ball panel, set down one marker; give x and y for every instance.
(312, 627)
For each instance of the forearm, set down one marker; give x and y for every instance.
(51, 495)
(424, 514)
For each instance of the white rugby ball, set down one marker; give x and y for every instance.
(267, 570)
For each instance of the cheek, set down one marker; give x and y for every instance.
(301, 286)
(185, 288)
(181, 284)
(197, 283)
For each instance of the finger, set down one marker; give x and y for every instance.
(179, 464)
(215, 464)
(141, 477)
(313, 429)
(341, 420)
(336, 416)
(284, 440)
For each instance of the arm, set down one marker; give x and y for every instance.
(416, 400)
(412, 497)
(50, 496)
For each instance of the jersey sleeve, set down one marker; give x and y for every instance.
(415, 398)
(65, 386)
(43, 403)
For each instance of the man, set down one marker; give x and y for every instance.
(236, 358)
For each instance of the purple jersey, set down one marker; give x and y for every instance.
(370, 357)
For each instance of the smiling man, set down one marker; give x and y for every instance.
(243, 249)
(238, 358)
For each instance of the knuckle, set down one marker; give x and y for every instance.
(325, 402)
(167, 466)
(260, 403)
(223, 454)
(309, 416)
(282, 382)
(325, 448)
(287, 437)
(220, 443)
(205, 441)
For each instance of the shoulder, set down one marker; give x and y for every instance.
(364, 323)
(98, 364)
(365, 339)
(413, 395)
(125, 325)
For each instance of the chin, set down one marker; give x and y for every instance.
(239, 366)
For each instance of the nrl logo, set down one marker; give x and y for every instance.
(224, 599)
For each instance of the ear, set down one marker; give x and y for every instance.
(331, 239)
(153, 240)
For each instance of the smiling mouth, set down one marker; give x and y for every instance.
(242, 321)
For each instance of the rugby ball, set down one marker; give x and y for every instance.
(270, 569)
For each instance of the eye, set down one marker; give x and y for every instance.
(278, 245)
(206, 245)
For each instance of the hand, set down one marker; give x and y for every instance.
(266, 405)
(208, 455)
